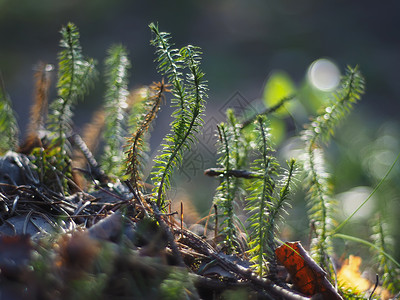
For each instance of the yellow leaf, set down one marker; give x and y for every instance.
(278, 86)
(350, 277)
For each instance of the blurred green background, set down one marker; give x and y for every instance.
(246, 45)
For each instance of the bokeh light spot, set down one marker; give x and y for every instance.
(324, 75)
(353, 198)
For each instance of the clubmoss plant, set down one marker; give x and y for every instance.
(75, 75)
(136, 143)
(318, 133)
(233, 151)
(8, 124)
(189, 93)
(117, 65)
(383, 244)
(268, 195)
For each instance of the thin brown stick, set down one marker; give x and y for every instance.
(216, 223)
(95, 169)
(181, 216)
(268, 110)
(376, 285)
(213, 172)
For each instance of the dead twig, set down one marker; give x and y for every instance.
(212, 172)
(259, 284)
(170, 236)
(95, 169)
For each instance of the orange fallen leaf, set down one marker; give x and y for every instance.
(309, 278)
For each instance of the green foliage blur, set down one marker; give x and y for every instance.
(359, 157)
